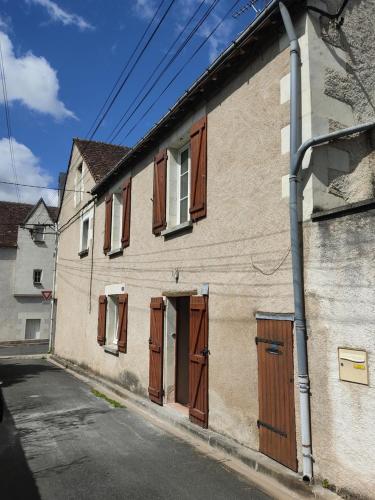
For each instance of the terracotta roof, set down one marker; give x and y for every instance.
(11, 216)
(100, 157)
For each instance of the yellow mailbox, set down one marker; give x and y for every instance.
(353, 365)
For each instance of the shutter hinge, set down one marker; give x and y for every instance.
(268, 341)
(271, 428)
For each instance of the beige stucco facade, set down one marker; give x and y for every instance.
(241, 249)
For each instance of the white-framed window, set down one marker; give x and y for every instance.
(38, 232)
(37, 276)
(85, 227)
(183, 185)
(116, 228)
(112, 321)
(178, 190)
(78, 185)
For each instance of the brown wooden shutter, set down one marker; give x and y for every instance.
(102, 314)
(155, 388)
(108, 224)
(126, 208)
(122, 334)
(198, 361)
(198, 177)
(159, 221)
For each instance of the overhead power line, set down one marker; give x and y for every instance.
(41, 187)
(177, 74)
(150, 38)
(151, 81)
(125, 67)
(8, 123)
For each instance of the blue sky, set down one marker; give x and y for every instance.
(61, 58)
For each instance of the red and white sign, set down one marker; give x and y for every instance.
(47, 294)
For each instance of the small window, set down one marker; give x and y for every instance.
(178, 186)
(38, 233)
(85, 235)
(37, 276)
(78, 185)
(112, 321)
(116, 229)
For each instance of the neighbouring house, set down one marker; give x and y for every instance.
(27, 257)
(174, 271)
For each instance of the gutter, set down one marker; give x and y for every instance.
(296, 240)
(252, 28)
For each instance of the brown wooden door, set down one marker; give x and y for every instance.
(155, 388)
(198, 360)
(277, 432)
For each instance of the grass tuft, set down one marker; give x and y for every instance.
(110, 401)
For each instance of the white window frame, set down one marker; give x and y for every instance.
(85, 218)
(178, 187)
(41, 276)
(116, 205)
(114, 334)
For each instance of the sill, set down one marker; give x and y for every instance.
(38, 284)
(115, 252)
(83, 253)
(185, 226)
(111, 350)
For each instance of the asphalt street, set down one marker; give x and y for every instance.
(59, 441)
(24, 349)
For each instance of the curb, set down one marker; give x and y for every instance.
(250, 458)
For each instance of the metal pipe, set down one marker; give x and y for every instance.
(53, 305)
(316, 141)
(296, 240)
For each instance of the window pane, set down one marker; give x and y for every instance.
(184, 161)
(85, 234)
(183, 210)
(184, 185)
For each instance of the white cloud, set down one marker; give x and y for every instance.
(32, 81)
(29, 171)
(145, 9)
(219, 40)
(59, 15)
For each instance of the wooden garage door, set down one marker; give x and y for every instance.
(198, 361)
(277, 434)
(155, 386)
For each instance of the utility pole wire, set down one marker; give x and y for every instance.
(42, 187)
(177, 74)
(125, 67)
(119, 127)
(8, 123)
(132, 68)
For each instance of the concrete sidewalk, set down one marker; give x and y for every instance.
(59, 441)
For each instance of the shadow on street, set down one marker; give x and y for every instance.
(16, 479)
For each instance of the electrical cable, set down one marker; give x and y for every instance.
(177, 74)
(115, 132)
(133, 67)
(125, 67)
(8, 123)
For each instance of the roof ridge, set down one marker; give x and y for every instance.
(101, 142)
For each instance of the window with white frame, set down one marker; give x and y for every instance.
(78, 185)
(178, 186)
(37, 276)
(85, 226)
(112, 321)
(116, 229)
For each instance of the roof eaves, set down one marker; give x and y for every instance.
(251, 29)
